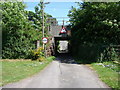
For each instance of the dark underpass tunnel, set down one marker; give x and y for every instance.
(63, 47)
(63, 52)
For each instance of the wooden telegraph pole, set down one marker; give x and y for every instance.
(63, 22)
(43, 25)
(43, 20)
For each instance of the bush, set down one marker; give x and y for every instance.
(87, 53)
(41, 59)
(37, 54)
(109, 54)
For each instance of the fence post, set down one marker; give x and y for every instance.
(38, 44)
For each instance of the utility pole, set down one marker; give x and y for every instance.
(63, 22)
(42, 20)
(43, 17)
(43, 25)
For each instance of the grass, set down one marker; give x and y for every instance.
(13, 71)
(107, 74)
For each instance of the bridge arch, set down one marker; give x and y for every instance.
(56, 44)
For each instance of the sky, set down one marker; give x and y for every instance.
(56, 9)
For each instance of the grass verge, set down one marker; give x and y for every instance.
(13, 71)
(108, 73)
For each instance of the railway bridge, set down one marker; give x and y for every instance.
(60, 41)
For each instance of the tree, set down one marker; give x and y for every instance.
(94, 24)
(20, 29)
(18, 34)
(37, 17)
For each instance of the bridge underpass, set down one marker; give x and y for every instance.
(60, 42)
(62, 45)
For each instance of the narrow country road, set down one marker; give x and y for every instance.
(62, 73)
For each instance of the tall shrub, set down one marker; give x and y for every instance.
(95, 23)
(18, 35)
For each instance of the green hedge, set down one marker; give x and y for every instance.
(95, 53)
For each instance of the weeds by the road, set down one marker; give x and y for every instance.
(13, 71)
(108, 72)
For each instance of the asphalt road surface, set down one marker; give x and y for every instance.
(62, 73)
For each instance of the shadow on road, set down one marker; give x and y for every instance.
(65, 58)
